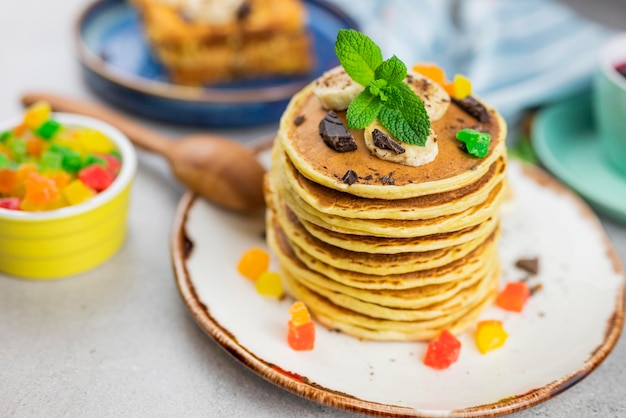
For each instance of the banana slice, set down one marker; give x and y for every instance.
(436, 99)
(386, 147)
(335, 89)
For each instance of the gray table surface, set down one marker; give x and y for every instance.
(118, 341)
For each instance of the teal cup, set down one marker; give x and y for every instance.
(609, 96)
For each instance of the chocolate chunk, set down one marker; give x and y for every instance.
(382, 141)
(473, 107)
(531, 265)
(368, 177)
(388, 179)
(350, 177)
(335, 134)
(463, 147)
(299, 120)
(244, 10)
(535, 289)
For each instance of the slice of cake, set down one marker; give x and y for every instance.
(211, 41)
(384, 195)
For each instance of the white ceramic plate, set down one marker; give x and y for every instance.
(565, 331)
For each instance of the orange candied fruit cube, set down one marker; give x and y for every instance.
(253, 262)
(514, 296)
(40, 190)
(301, 337)
(431, 71)
(7, 180)
(299, 313)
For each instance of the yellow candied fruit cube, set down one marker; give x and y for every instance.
(37, 114)
(93, 141)
(269, 284)
(77, 192)
(299, 314)
(29, 206)
(462, 86)
(67, 139)
(490, 335)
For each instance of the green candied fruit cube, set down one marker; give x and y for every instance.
(4, 161)
(476, 143)
(117, 154)
(51, 160)
(4, 136)
(91, 159)
(48, 129)
(17, 148)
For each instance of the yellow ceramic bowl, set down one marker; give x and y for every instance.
(74, 239)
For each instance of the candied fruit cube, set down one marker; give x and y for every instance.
(93, 141)
(490, 335)
(18, 149)
(299, 313)
(77, 192)
(269, 284)
(36, 115)
(48, 129)
(112, 163)
(432, 71)
(50, 160)
(34, 147)
(443, 351)
(40, 190)
(514, 296)
(60, 178)
(301, 337)
(253, 262)
(96, 176)
(11, 203)
(4, 136)
(4, 161)
(462, 87)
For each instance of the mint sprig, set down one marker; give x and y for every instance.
(386, 96)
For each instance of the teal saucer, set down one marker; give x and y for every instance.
(567, 143)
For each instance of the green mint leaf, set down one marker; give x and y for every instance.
(376, 87)
(358, 55)
(363, 110)
(408, 123)
(394, 97)
(393, 70)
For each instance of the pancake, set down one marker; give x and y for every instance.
(397, 228)
(420, 296)
(317, 162)
(332, 202)
(348, 321)
(381, 245)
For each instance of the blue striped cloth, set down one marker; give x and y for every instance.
(518, 53)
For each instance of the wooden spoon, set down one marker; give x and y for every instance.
(219, 169)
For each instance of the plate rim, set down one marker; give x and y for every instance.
(329, 397)
(178, 92)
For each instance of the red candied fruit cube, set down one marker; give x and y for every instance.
(113, 163)
(443, 351)
(301, 337)
(514, 296)
(96, 176)
(11, 203)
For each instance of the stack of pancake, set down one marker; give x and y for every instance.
(390, 252)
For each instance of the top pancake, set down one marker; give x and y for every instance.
(452, 169)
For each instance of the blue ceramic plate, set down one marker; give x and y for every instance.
(118, 65)
(567, 143)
